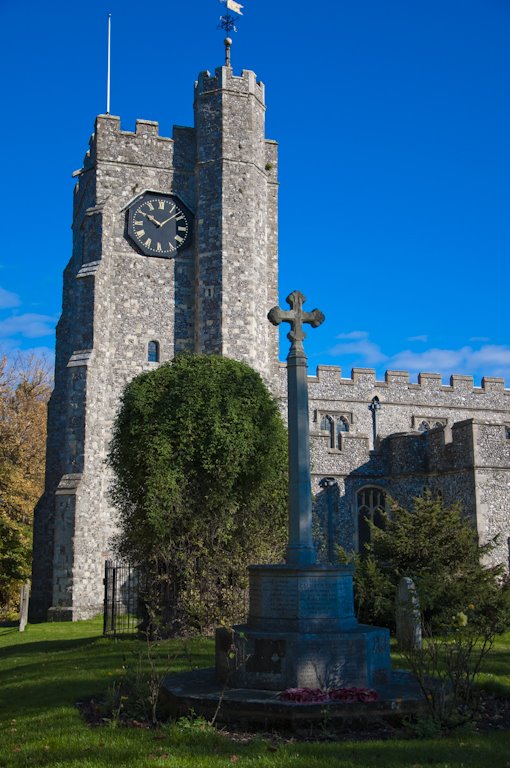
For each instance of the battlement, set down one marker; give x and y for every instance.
(224, 79)
(109, 143)
(331, 375)
(468, 443)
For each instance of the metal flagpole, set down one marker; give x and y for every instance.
(108, 67)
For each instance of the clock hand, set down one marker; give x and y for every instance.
(169, 219)
(154, 220)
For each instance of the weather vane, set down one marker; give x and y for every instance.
(227, 23)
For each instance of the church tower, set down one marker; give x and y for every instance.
(174, 249)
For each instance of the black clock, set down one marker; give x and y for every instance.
(159, 225)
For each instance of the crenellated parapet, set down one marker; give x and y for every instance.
(110, 143)
(224, 79)
(331, 375)
(426, 400)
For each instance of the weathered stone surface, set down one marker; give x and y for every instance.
(407, 615)
(211, 298)
(358, 656)
(306, 599)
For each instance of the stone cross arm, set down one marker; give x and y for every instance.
(296, 317)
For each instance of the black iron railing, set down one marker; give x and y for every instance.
(121, 614)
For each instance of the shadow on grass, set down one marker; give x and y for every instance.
(120, 748)
(46, 646)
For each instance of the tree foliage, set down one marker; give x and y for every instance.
(24, 392)
(199, 461)
(438, 548)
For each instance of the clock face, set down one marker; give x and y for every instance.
(159, 225)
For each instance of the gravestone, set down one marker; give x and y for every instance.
(301, 629)
(407, 616)
(24, 598)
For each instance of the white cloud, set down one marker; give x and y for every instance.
(423, 338)
(486, 360)
(479, 338)
(353, 335)
(432, 360)
(8, 299)
(491, 355)
(30, 326)
(365, 349)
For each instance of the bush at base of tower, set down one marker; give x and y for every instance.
(199, 455)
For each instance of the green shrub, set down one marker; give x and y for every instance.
(438, 548)
(199, 459)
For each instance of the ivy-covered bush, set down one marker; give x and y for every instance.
(199, 455)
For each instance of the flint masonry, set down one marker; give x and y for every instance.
(175, 249)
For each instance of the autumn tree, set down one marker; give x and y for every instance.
(199, 459)
(24, 392)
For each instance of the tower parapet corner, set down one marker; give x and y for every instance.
(458, 382)
(365, 375)
(206, 82)
(396, 377)
(254, 85)
(493, 384)
(224, 77)
(430, 380)
(106, 123)
(147, 127)
(323, 372)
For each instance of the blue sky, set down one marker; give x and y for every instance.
(393, 120)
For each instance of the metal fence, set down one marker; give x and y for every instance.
(121, 613)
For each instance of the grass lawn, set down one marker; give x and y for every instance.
(49, 667)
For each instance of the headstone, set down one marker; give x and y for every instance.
(408, 616)
(23, 605)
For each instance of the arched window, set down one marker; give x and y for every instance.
(342, 425)
(424, 426)
(328, 425)
(153, 352)
(371, 504)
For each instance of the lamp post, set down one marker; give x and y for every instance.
(375, 407)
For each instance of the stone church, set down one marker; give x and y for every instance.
(175, 245)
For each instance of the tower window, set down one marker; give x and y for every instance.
(334, 426)
(328, 425)
(371, 503)
(426, 423)
(153, 352)
(342, 425)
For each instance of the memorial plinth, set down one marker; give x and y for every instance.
(302, 632)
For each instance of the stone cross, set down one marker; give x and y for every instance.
(300, 549)
(296, 317)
